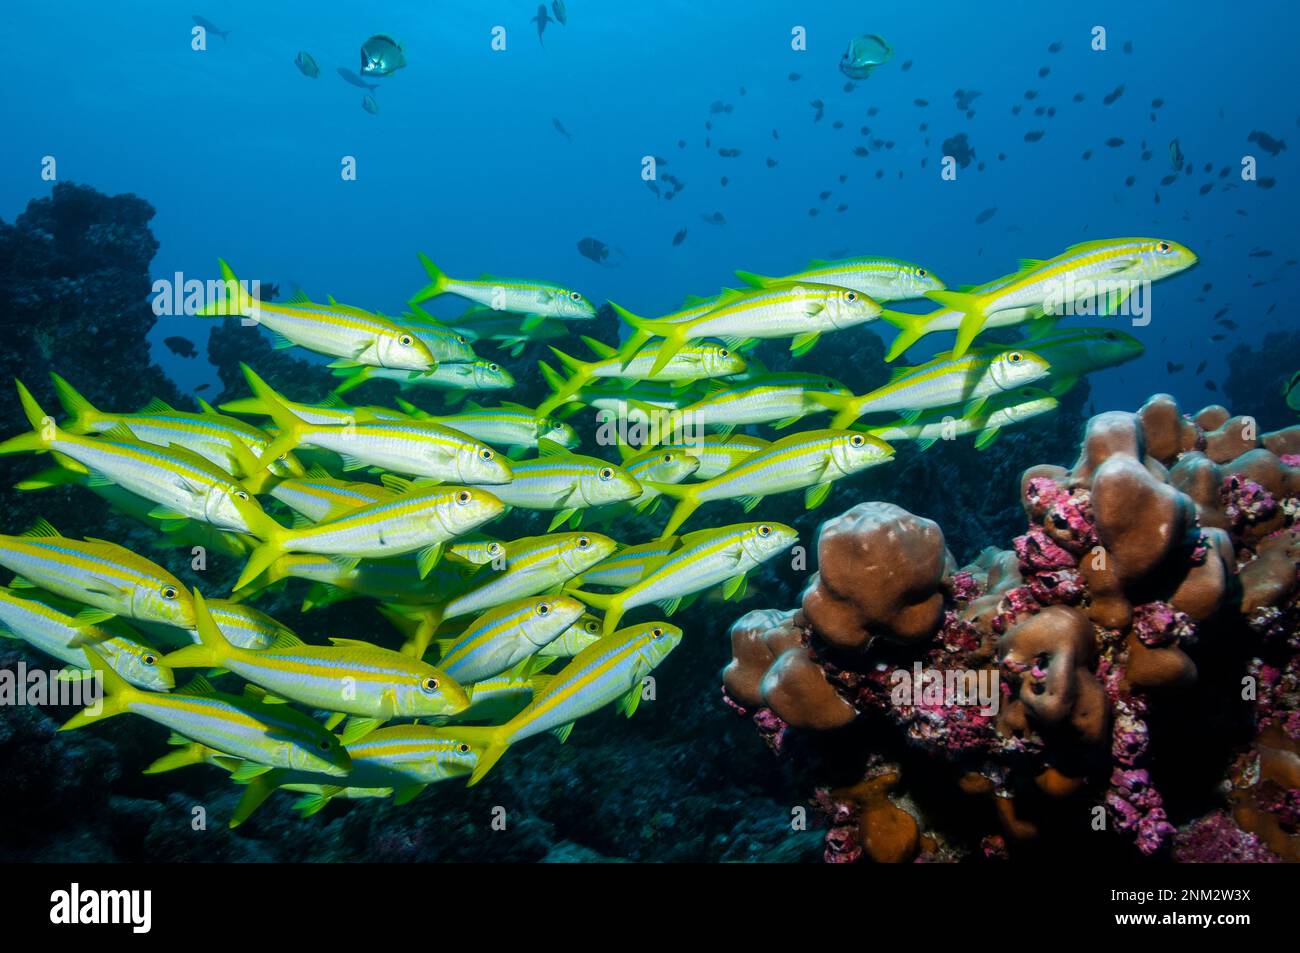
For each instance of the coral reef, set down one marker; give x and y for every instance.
(1124, 679)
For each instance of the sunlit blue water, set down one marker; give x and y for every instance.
(240, 153)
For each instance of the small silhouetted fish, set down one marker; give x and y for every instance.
(841, 207)
(355, 80)
(860, 151)
(1266, 142)
(541, 19)
(182, 346)
(306, 64)
(1078, 97)
(723, 181)
(1201, 366)
(1210, 385)
(1033, 135)
(1015, 110)
(921, 102)
(794, 77)
(1054, 47)
(594, 249)
(959, 148)
(820, 107)
(985, 215)
(1266, 182)
(559, 127)
(1217, 337)
(1043, 71)
(201, 388)
(370, 104)
(850, 86)
(1172, 367)
(728, 153)
(210, 26)
(1114, 142)
(718, 106)
(681, 143)
(1260, 253)
(1229, 324)
(1129, 181)
(1113, 95)
(1128, 46)
(843, 178)
(1157, 103)
(771, 163)
(679, 238)
(1206, 188)
(873, 110)
(824, 196)
(906, 66)
(561, 15)
(1031, 94)
(813, 212)
(716, 218)
(1087, 154)
(381, 55)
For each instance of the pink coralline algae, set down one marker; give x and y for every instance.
(1158, 623)
(1154, 579)
(1137, 808)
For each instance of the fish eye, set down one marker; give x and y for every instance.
(462, 748)
(324, 745)
(1015, 357)
(463, 497)
(583, 542)
(656, 633)
(543, 608)
(283, 458)
(241, 494)
(725, 353)
(429, 684)
(494, 367)
(764, 531)
(920, 272)
(169, 592)
(486, 454)
(1162, 247)
(405, 340)
(149, 659)
(850, 296)
(857, 440)
(668, 458)
(1110, 336)
(606, 473)
(593, 626)
(493, 548)
(575, 296)
(460, 339)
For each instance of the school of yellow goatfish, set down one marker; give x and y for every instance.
(501, 639)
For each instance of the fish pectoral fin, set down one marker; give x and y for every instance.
(334, 720)
(631, 700)
(166, 513)
(90, 616)
(531, 322)
(279, 342)
(358, 728)
(428, 558)
(815, 496)
(749, 502)
(786, 422)
(734, 588)
(347, 563)
(974, 408)
(986, 437)
(563, 732)
(560, 517)
(352, 463)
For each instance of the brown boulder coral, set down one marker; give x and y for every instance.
(1160, 571)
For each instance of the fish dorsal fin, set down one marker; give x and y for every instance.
(333, 400)
(473, 405)
(286, 640)
(157, 406)
(549, 448)
(1028, 264)
(728, 295)
(41, 528)
(119, 432)
(298, 297)
(318, 472)
(198, 686)
(352, 643)
(206, 408)
(691, 301)
(817, 262)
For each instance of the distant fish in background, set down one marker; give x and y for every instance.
(201, 388)
(182, 346)
(211, 27)
(307, 64)
(1266, 142)
(559, 127)
(381, 55)
(1175, 155)
(679, 238)
(593, 249)
(355, 80)
(370, 104)
(561, 15)
(864, 54)
(541, 20)
(715, 218)
(1291, 391)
